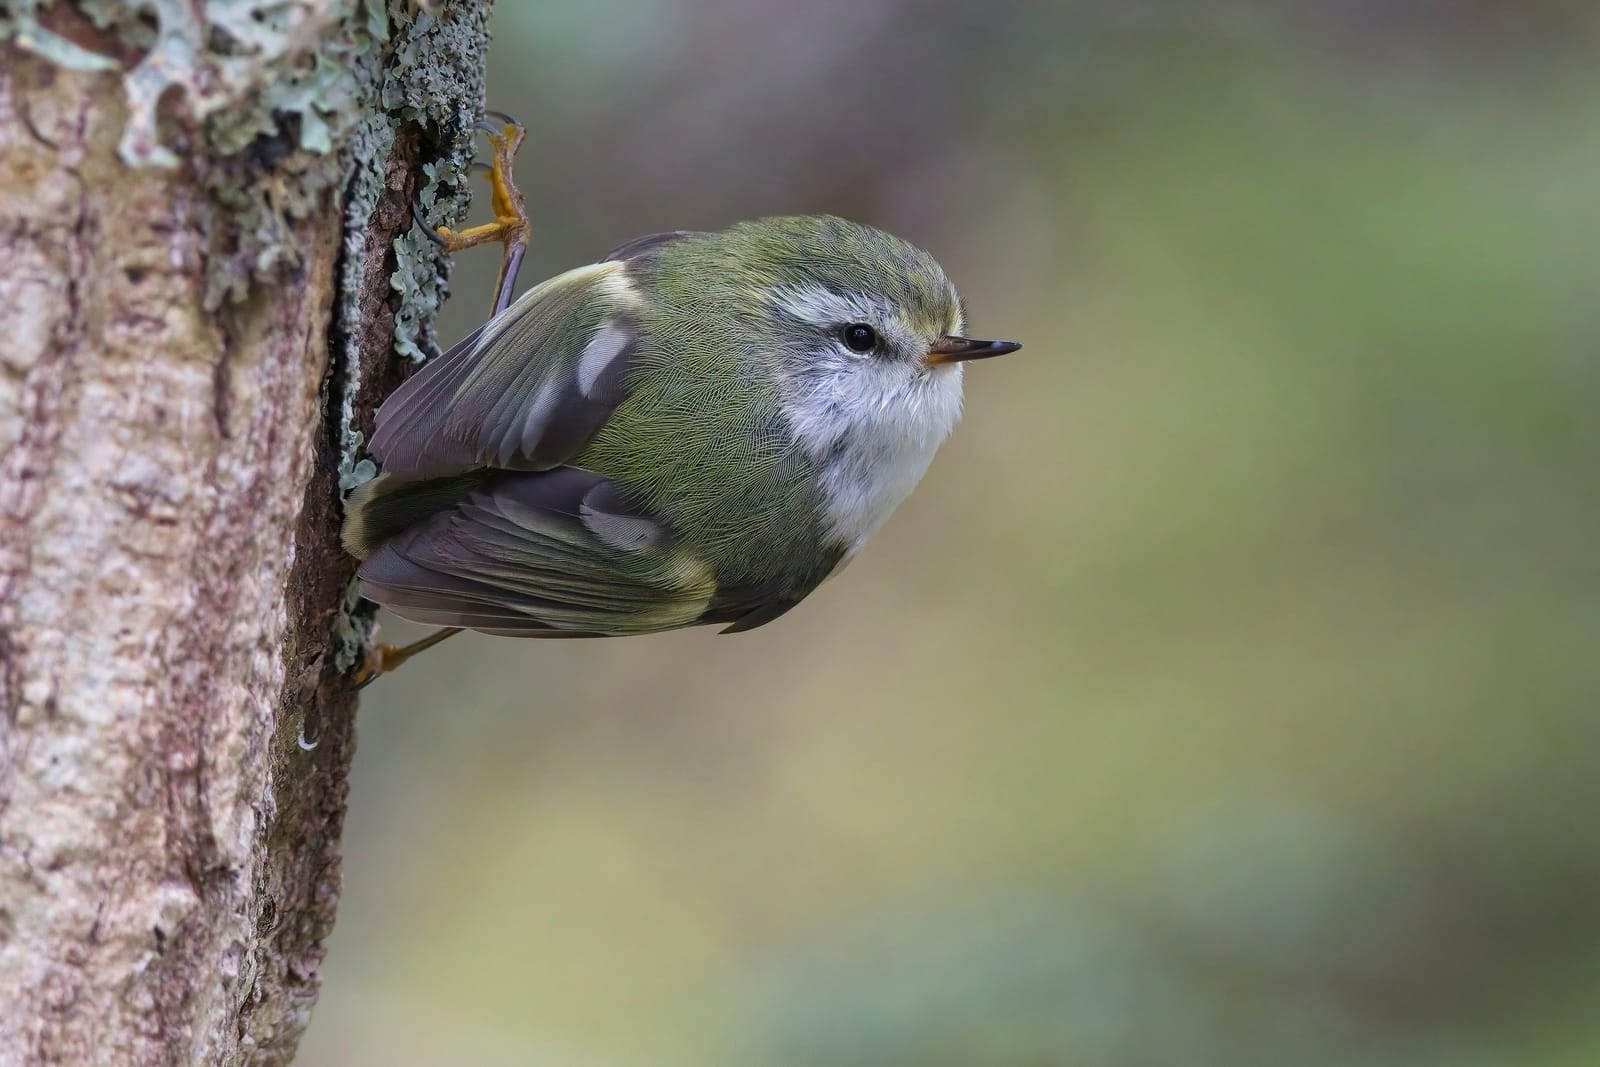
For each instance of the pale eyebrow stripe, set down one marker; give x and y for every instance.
(821, 306)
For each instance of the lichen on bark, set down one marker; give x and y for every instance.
(200, 201)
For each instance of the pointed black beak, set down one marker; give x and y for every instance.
(961, 349)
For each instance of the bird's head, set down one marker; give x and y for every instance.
(867, 329)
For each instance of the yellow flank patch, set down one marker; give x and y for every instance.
(692, 578)
(618, 286)
(353, 535)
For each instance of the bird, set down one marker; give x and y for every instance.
(697, 428)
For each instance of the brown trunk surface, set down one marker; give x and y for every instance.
(170, 574)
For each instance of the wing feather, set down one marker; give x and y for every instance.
(525, 391)
(516, 542)
(640, 247)
(526, 554)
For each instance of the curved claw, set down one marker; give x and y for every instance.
(510, 226)
(501, 117)
(382, 659)
(427, 227)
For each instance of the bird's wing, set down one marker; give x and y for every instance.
(525, 391)
(557, 553)
(643, 247)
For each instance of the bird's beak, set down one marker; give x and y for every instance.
(961, 349)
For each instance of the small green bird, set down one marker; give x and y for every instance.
(699, 428)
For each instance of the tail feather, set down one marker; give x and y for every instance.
(387, 505)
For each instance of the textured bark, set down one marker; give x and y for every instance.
(170, 577)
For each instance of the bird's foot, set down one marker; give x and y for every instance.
(511, 226)
(384, 659)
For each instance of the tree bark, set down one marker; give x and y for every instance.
(199, 300)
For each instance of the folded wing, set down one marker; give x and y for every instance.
(525, 391)
(550, 554)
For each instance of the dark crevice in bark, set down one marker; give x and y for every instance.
(315, 718)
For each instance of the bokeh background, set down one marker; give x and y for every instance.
(1229, 694)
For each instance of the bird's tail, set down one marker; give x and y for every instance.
(383, 507)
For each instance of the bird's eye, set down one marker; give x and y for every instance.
(859, 337)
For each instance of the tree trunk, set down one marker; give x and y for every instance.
(201, 293)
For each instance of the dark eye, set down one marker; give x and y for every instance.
(859, 337)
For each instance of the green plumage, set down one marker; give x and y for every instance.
(618, 451)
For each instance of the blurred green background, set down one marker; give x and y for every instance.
(1228, 693)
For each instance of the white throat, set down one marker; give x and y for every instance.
(872, 433)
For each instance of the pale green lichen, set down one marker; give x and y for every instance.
(433, 79)
(240, 65)
(353, 630)
(418, 279)
(19, 21)
(424, 85)
(277, 85)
